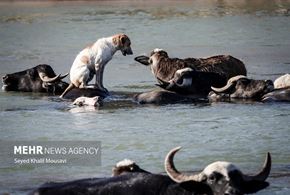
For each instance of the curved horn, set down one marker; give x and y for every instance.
(63, 76)
(45, 78)
(229, 84)
(172, 172)
(264, 173)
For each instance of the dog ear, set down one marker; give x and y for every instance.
(119, 39)
(123, 39)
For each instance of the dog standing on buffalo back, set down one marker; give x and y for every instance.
(92, 60)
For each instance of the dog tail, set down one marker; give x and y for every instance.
(70, 87)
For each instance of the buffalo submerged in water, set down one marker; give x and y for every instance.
(192, 75)
(217, 178)
(189, 79)
(40, 78)
(217, 78)
(241, 87)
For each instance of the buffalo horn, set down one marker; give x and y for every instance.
(264, 173)
(229, 84)
(172, 172)
(47, 79)
(63, 76)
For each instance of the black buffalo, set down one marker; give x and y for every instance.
(187, 81)
(216, 179)
(40, 78)
(160, 96)
(241, 87)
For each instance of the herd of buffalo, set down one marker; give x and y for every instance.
(217, 78)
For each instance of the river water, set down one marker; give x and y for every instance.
(257, 32)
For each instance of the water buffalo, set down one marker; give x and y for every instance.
(40, 78)
(217, 178)
(166, 97)
(188, 81)
(192, 75)
(241, 87)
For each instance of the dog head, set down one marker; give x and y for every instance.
(123, 43)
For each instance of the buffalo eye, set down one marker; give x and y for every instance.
(214, 177)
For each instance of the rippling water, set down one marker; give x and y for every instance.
(256, 32)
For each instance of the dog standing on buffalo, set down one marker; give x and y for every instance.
(93, 59)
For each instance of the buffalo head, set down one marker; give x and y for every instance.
(243, 88)
(126, 166)
(221, 177)
(40, 78)
(145, 60)
(189, 81)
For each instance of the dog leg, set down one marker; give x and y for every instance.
(101, 81)
(70, 87)
(86, 78)
(99, 78)
(98, 75)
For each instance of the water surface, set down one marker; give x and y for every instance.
(54, 32)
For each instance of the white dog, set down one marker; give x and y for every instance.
(92, 60)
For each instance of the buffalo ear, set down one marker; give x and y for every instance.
(142, 59)
(254, 186)
(196, 187)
